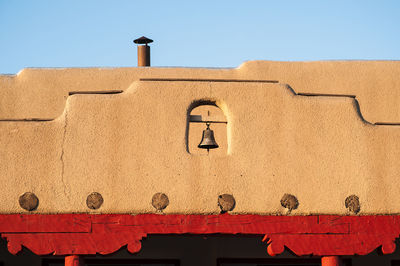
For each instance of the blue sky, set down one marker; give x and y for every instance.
(91, 33)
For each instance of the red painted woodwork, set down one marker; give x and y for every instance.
(74, 234)
(50, 223)
(73, 260)
(330, 261)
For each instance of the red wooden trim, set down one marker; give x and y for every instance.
(330, 261)
(73, 261)
(74, 234)
(50, 223)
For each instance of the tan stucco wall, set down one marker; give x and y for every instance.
(131, 145)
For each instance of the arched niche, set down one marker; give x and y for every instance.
(201, 113)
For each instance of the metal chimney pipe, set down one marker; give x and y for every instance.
(143, 51)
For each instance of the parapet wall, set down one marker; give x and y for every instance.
(318, 131)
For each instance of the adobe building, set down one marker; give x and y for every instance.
(124, 162)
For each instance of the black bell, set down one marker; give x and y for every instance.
(208, 140)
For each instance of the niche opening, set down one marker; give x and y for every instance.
(200, 115)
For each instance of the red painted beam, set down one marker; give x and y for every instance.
(49, 223)
(74, 234)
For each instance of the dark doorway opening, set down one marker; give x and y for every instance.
(115, 262)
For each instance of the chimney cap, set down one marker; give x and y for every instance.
(143, 40)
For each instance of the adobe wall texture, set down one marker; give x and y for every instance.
(130, 145)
